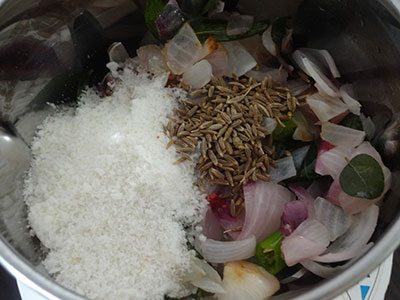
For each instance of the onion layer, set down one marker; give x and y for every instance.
(198, 75)
(211, 226)
(323, 59)
(151, 56)
(270, 124)
(333, 217)
(333, 161)
(305, 131)
(239, 59)
(280, 76)
(184, 49)
(303, 195)
(219, 62)
(297, 86)
(209, 279)
(341, 136)
(267, 41)
(315, 69)
(309, 240)
(264, 202)
(117, 53)
(353, 105)
(245, 280)
(326, 108)
(299, 154)
(222, 252)
(294, 214)
(355, 239)
(285, 169)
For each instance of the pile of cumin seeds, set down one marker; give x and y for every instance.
(225, 120)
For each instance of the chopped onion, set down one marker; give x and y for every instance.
(297, 86)
(294, 213)
(264, 203)
(355, 239)
(335, 190)
(220, 62)
(322, 83)
(151, 56)
(211, 226)
(184, 49)
(315, 70)
(280, 76)
(222, 252)
(325, 108)
(303, 195)
(117, 53)
(333, 161)
(285, 169)
(299, 154)
(353, 105)
(169, 20)
(245, 280)
(322, 57)
(305, 131)
(326, 271)
(239, 59)
(333, 217)
(316, 189)
(209, 279)
(198, 75)
(309, 240)
(232, 225)
(368, 126)
(267, 41)
(239, 24)
(319, 167)
(270, 124)
(341, 136)
(221, 209)
(339, 118)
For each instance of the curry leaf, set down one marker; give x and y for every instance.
(363, 177)
(205, 28)
(352, 121)
(280, 133)
(307, 168)
(209, 6)
(152, 11)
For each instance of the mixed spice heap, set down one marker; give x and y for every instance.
(225, 120)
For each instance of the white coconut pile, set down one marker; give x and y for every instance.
(105, 197)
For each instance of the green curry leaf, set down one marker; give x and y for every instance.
(204, 28)
(209, 6)
(363, 177)
(352, 121)
(152, 11)
(280, 133)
